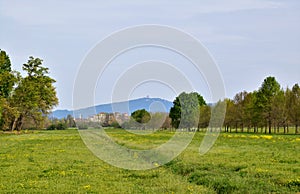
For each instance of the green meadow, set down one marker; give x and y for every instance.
(59, 162)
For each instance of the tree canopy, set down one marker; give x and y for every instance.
(25, 98)
(141, 116)
(186, 109)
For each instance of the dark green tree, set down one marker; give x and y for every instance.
(185, 110)
(7, 79)
(5, 64)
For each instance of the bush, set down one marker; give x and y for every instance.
(51, 127)
(58, 126)
(61, 126)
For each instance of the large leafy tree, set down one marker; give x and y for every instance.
(185, 110)
(35, 94)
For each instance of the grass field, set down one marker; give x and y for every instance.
(59, 162)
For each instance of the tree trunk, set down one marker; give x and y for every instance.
(14, 124)
(19, 123)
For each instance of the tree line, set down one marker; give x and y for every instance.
(268, 109)
(25, 101)
(265, 110)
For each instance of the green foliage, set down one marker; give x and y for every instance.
(269, 108)
(293, 103)
(25, 99)
(51, 127)
(218, 115)
(205, 115)
(266, 95)
(7, 79)
(5, 64)
(34, 67)
(33, 97)
(141, 116)
(185, 110)
(58, 126)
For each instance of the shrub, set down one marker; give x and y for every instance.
(51, 127)
(61, 126)
(58, 126)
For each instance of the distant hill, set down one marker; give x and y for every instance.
(150, 104)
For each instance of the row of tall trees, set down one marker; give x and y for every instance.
(25, 99)
(265, 110)
(268, 109)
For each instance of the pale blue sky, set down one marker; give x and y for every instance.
(249, 39)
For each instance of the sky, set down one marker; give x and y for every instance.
(249, 40)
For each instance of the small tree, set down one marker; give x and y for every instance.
(141, 116)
